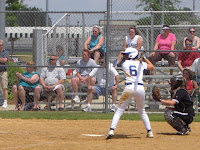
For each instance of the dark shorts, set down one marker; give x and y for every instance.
(29, 94)
(158, 56)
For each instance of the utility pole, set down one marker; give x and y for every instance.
(2, 18)
(193, 5)
(163, 8)
(47, 9)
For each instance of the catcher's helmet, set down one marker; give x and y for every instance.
(132, 52)
(176, 81)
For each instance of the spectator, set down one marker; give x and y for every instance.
(82, 73)
(191, 85)
(100, 74)
(4, 56)
(28, 82)
(95, 43)
(196, 69)
(195, 40)
(52, 79)
(61, 57)
(165, 41)
(185, 59)
(132, 40)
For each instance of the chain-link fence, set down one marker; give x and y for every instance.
(70, 30)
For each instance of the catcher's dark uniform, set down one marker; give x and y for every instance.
(184, 106)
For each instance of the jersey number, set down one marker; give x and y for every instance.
(133, 71)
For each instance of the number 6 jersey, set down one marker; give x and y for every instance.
(133, 70)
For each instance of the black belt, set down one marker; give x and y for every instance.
(133, 83)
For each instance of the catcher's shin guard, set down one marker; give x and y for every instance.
(174, 121)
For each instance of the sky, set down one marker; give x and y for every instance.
(69, 5)
(96, 5)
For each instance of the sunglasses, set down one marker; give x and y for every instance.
(52, 59)
(192, 31)
(101, 62)
(188, 44)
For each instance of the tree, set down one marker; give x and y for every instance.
(23, 18)
(156, 5)
(169, 5)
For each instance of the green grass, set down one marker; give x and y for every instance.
(64, 115)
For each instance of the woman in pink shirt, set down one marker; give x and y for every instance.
(165, 41)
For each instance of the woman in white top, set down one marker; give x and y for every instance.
(195, 39)
(132, 40)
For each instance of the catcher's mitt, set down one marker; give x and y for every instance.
(156, 94)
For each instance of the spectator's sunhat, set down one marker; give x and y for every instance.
(166, 27)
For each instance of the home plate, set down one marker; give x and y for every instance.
(92, 135)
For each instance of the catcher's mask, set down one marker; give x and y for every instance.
(177, 81)
(131, 52)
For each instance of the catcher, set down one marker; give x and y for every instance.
(182, 114)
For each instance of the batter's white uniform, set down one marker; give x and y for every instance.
(133, 70)
(133, 42)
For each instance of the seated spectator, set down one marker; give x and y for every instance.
(132, 40)
(185, 59)
(95, 43)
(61, 57)
(196, 69)
(82, 73)
(191, 85)
(28, 82)
(165, 41)
(195, 40)
(52, 80)
(99, 89)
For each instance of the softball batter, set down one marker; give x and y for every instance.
(133, 69)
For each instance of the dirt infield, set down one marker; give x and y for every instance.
(68, 135)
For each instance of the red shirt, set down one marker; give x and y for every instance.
(187, 58)
(189, 86)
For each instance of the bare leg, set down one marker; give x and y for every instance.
(60, 96)
(114, 95)
(5, 93)
(22, 93)
(90, 94)
(75, 83)
(37, 92)
(15, 96)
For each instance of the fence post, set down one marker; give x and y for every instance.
(2, 18)
(152, 31)
(107, 53)
(38, 50)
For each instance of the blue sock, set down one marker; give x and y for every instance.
(148, 131)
